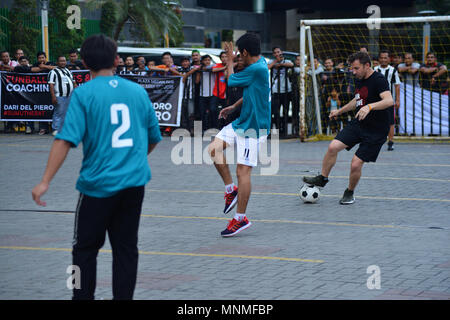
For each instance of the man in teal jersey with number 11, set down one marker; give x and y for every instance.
(114, 119)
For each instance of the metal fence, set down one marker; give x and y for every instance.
(423, 111)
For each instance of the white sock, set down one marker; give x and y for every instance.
(239, 216)
(229, 188)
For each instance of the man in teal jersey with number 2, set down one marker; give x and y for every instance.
(114, 119)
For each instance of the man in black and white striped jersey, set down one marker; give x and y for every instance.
(392, 77)
(61, 84)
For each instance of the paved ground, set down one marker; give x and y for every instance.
(400, 223)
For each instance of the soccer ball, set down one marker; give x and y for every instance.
(309, 193)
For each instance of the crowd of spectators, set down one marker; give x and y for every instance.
(206, 90)
(336, 83)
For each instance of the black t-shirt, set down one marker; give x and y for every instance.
(22, 69)
(77, 65)
(368, 91)
(48, 63)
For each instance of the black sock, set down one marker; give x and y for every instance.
(324, 178)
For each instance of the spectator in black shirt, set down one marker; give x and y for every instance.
(74, 63)
(433, 75)
(129, 66)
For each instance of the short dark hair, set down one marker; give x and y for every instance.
(99, 52)
(167, 53)
(205, 57)
(276, 47)
(2, 52)
(22, 58)
(221, 53)
(364, 46)
(249, 42)
(361, 56)
(41, 53)
(384, 51)
(185, 58)
(412, 56)
(59, 56)
(430, 52)
(73, 51)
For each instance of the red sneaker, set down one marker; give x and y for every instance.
(234, 227)
(230, 200)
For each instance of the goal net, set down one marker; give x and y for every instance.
(423, 94)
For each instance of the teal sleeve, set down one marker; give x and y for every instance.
(75, 121)
(241, 79)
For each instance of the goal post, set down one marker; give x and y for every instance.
(338, 38)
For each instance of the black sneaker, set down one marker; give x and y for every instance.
(390, 146)
(318, 181)
(347, 198)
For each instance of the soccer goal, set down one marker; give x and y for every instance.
(424, 103)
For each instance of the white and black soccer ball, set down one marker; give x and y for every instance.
(309, 193)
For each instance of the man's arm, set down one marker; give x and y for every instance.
(442, 70)
(58, 154)
(226, 111)
(231, 56)
(404, 69)
(428, 70)
(287, 64)
(219, 69)
(151, 146)
(397, 96)
(348, 107)
(52, 93)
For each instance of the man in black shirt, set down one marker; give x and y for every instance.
(42, 65)
(369, 128)
(74, 63)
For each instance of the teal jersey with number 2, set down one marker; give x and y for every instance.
(115, 120)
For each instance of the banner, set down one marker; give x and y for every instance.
(427, 112)
(26, 96)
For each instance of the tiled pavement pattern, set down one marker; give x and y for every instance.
(400, 223)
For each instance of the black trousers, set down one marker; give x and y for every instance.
(281, 121)
(119, 216)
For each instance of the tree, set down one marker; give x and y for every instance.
(62, 39)
(152, 18)
(108, 18)
(23, 34)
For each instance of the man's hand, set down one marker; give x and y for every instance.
(362, 113)
(226, 111)
(229, 49)
(38, 191)
(334, 114)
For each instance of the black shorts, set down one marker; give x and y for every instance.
(391, 113)
(370, 140)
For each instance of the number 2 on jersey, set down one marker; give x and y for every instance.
(125, 113)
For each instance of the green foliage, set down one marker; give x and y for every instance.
(227, 35)
(24, 27)
(108, 18)
(62, 39)
(152, 19)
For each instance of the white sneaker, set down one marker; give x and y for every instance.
(54, 133)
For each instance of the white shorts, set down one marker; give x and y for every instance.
(247, 148)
